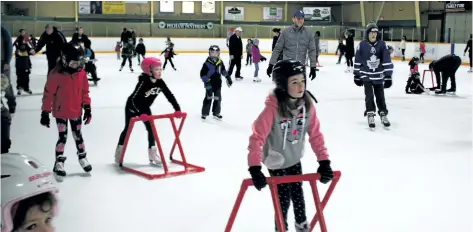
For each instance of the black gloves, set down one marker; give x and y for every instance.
(269, 71)
(87, 114)
(312, 73)
(262, 59)
(358, 81)
(388, 81)
(259, 180)
(229, 81)
(45, 121)
(325, 171)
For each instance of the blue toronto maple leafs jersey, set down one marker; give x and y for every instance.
(373, 61)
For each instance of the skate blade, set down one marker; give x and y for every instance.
(154, 163)
(59, 178)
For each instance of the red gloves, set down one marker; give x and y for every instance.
(179, 114)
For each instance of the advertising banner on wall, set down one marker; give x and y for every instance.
(166, 6)
(89, 7)
(318, 13)
(272, 13)
(208, 7)
(173, 25)
(457, 6)
(113, 7)
(235, 13)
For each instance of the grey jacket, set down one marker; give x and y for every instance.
(295, 43)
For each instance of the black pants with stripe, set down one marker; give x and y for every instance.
(128, 115)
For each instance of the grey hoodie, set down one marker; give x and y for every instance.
(279, 142)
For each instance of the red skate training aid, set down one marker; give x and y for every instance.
(431, 78)
(188, 168)
(273, 182)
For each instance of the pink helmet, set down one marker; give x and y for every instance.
(149, 63)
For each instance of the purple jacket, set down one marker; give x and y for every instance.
(256, 54)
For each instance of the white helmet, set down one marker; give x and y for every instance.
(22, 177)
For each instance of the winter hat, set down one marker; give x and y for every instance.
(255, 40)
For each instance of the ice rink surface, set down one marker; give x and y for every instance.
(416, 176)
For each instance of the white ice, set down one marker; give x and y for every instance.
(416, 176)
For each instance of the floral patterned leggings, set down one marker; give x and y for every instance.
(76, 126)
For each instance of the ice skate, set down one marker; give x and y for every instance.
(434, 88)
(58, 170)
(218, 117)
(239, 78)
(303, 227)
(384, 119)
(131, 69)
(371, 121)
(203, 117)
(153, 156)
(121, 68)
(256, 79)
(440, 92)
(20, 91)
(451, 91)
(28, 91)
(84, 163)
(470, 70)
(118, 154)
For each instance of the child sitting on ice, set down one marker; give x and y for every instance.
(414, 84)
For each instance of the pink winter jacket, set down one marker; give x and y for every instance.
(256, 54)
(279, 142)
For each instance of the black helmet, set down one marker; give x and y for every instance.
(284, 69)
(72, 52)
(214, 48)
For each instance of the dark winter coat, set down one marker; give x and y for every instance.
(66, 94)
(76, 38)
(275, 41)
(212, 72)
(349, 47)
(341, 48)
(141, 49)
(6, 51)
(7, 47)
(133, 37)
(447, 64)
(468, 47)
(235, 46)
(168, 53)
(140, 101)
(53, 43)
(125, 36)
(373, 61)
(128, 50)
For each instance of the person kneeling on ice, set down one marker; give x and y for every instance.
(29, 201)
(448, 66)
(90, 64)
(373, 70)
(211, 74)
(278, 138)
(66, 94)
(149, 85)
(414, 84)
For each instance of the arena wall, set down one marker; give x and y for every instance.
(328, 47)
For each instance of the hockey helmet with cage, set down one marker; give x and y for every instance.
(214, 51)
(72, 57)
(23, 177)
(149, 63)
(284, 69)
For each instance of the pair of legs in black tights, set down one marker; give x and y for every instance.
(292, 192)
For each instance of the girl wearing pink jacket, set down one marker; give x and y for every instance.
(278, 138)
(257, 57)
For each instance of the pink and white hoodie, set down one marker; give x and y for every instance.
(279, 142)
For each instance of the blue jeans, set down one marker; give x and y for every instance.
(256, 69)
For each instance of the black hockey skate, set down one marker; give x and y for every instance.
(218, 117)
(58, 170)
(384, 119)
(370, 117)
(451, 91)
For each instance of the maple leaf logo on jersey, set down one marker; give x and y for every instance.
(373, 63)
